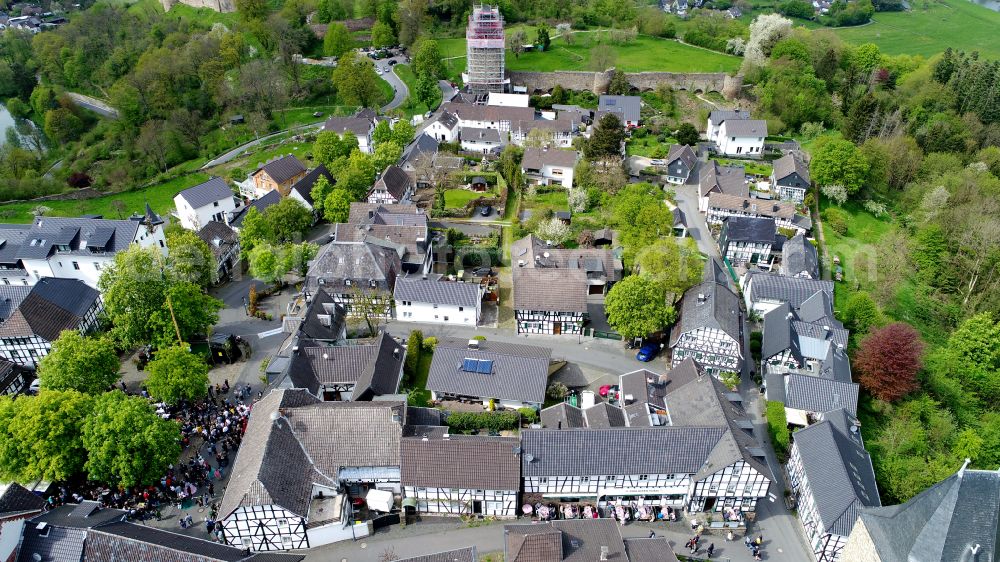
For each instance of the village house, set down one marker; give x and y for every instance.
(742, 137)
(717, 117)
(461, 475)
(558, 133)
(277, 175)
(784, 214)
(600, 415)
(392, 187)
(955, 519)
(680, 225)
(357, 372)
(358, 275)
(628, 108)
(263, 202)
(444, 128)
(679, 163)
(746, 241)
(713, 178)
(317, 318)
(301, 191)
(292, 486)
(494, 373)
(467, 554)
(790, 178)
(549, 166)
(764, 291)
(831, 478)
(225, 246)
(496, 117)
(31, 318)
(710, 327)
(437, 301)
(580, 540)
(14, 380)
(799, 258)
(418, 160)
(398, 227)
(483, 141)
(75, 248)
(17, 505)
(205, 202)
(360, 126)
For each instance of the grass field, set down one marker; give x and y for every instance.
(643, 54)
(931, 27)
(459, 198)
(412, 107)
(863, 231)
(557, 199)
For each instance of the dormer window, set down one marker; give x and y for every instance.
(347, 282)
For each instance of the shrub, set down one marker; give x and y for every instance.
(414, 346)
(430, 343)
(557, 391)
(777, 428)
(489, 421)
(837, 219)
(875, 208)
(528, 415)
(730, 379)
(479, 338)
(835, 193)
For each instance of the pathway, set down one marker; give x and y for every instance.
(398, 86)
(226, 157)
(827, 260)
(96, 105)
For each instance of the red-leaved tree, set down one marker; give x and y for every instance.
(889, 359)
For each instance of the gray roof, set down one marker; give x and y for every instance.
(359, 262)
(746, 128)
(395, 181)
(942, 523)
(215, 189)
(448, 119)
(559, 290)
(11, 297)
(749, 229)
(121, 541)
(283, 169)
(359, 126)
(518, 372)
(614, 451)
(532, 250)
(839, 471)
(719, 309)
(818, 394)
(449, 293)
(790, 164)
(83, 515)
(305, 185)
(719, 115)
(570, 540)
(326, 330)
(494, 113)
(84, 236)
(781, 288)
(58, 544)
(562, 415)
(654, 549)
(798, 255)
(54, 304)
(18, 499)
(11, 238)
(730, 180)
(475, 134)
(603, 415)
(536, 158)
(263, 202)
(467, 554)
(404, 214)
(374, 369)
(629, 107)
(565, 123)
(756, 207)
(216, 231)
(645, 385)
(682, 152)
(473, 462)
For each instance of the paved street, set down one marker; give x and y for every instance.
(398, 86)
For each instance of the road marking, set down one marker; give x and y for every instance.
(270, 333)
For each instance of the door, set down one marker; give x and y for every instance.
(477, 507)
(557, 328)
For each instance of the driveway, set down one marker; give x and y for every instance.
(687, 200)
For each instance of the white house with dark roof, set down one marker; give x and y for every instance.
(710, 327)
(445, 128)
(799, 258)
(483, 141)
(399, 227)
(790, 178)
(301, 191)
(717, 117)
(291, 484)
(438, 301)
(392, 187)
(212, 200)
(679, 163)
(359, 126)
(462, 475)
(628, 108)
(356, 373)
(498, 117)
(549, 166)
(748, 241)
(723, 205)
(33, 317)
(831, 479)
(357, 270)
(558, 133)
(261, 203)
(742, 137)
(714, 178)
(506, 375)
(763, 291)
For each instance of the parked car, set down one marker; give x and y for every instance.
(486, 211)
(483, 271)
(656, 162)
(393, 62)
(647, 352)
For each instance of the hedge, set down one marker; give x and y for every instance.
(777, 428)
(490, 421)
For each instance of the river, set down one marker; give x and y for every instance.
(6, 122)
(991, 4)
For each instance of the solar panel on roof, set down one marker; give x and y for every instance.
(485, 366)
(470, 365)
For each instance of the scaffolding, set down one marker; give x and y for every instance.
(484, 69)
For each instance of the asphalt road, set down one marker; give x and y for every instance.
(226, 157)
(94, 104)
(398, 86)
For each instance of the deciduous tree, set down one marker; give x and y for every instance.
(79, 363)
(337, 206)
(636, 307)
(687, 134)
(674, 263)
(839, 162)
(190, 307)
(337, 40)
(133, 288)
(889, 359)
(190, 259)
(427, 60)
(176, 374)
(40, 436)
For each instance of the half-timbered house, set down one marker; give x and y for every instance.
(748, 241)
(710, 328)
(31, 318)
(360, 276)
(831, 478)
(462, 475)
(358, 372)
(393, 186)
(790, 178)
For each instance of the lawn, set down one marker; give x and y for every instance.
(459, 198)
(419, 395)
(644, 54)
(558, 199)
(750, 167)
(293, 116)
(387, 90)
(931, 27)
(648, 146)
(411, 106)
(863, 231)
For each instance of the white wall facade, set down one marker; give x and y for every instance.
(673, 488)
(265, 528)
(464, 502)
(712, 348)
(441, 133)
(715, 215)
(480, 145)
(737, 145)
(551, 175)
(737, 486)
(16, 277)
(740, 253)
(825, 546)
(548, 322)
(425, 312)
(195, 219)
(28, 352)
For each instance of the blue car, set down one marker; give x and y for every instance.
(647, 352)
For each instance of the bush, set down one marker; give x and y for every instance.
(479, 338)
(414, 346)
(489, 421)
(430, 343)
(777, 428)
(528, 415)
(837, 219)
(557, 391)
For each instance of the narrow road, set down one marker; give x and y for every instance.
(97, 106)
(398, 86)
(226, 157)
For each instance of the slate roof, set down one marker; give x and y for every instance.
(798, 255)
(752, 206)
(628, 107)
(519, 372)
(264, 201)
(129, 542)
(604, 415)
(394, 181)
(53, 305)
(373, 368)
(11, 297)
(682, 152)
(386, 213)
(11, 238)
(540, 542)
(645, 385)
(206, 193)
(474, 134)
(719, 115)
(817, 394)
(531, 247)
(790, 164)
(440, 292)
(305, 185)
(655, 549)
(100, 236)
(559, 290)
(83, 515)
(448, 119)
(359, 262)
(942, 523)
(467, 554)
(215, 230)
(730, 180)
(571, 540)
(720, 309)
(562, 415)
(283, 169)
(624, 450)
(411, 239)
(565, 123)
(18, 499)
(839, 472)
(59, 544)
(472, 462)
(781, 288)
(745, 128)
(536, 158)
(749, 229)
(357, 125)
(312, 328)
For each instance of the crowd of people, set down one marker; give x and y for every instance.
(211, 433)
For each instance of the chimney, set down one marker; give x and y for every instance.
(473, 344)
(961, 471)
(604, 553)
(702, 298)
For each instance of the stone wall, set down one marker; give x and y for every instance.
(217, 5)
(597, 82)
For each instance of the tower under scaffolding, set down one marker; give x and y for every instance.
(484, 67)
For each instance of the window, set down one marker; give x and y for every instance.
(76, 266)
(610, 478)
(584, 479)
(461, 308)
(643, 477)
(97, 266)
(246, 542)
(543, 480)
(445, 318)
(282, 522)
(435, 306)
(347, 282)
(162, 245)
(215, 204)
(286, 540)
